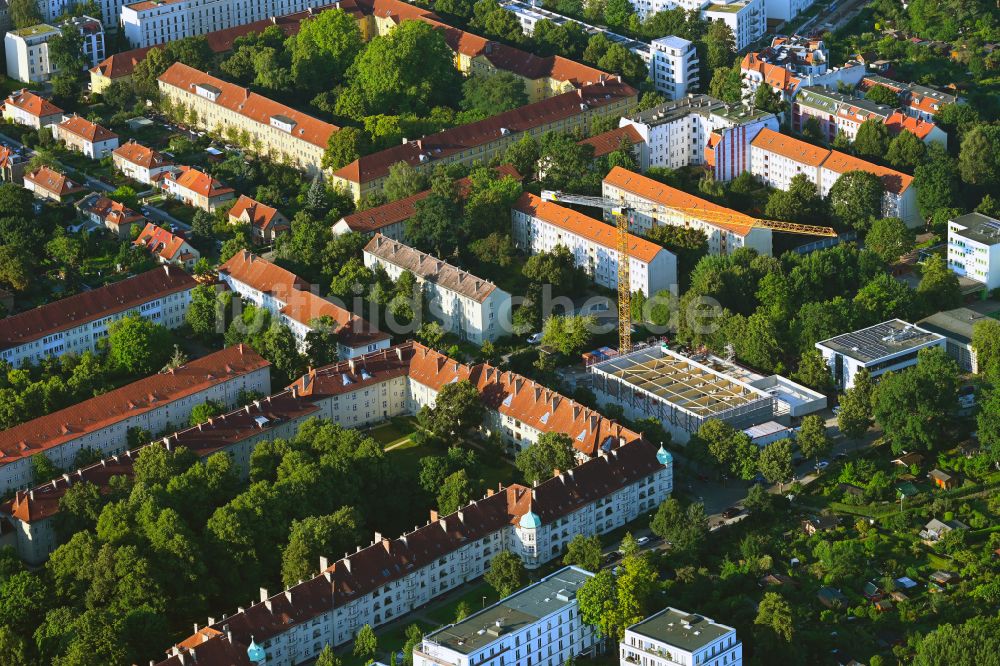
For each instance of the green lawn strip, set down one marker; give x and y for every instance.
(445, 613)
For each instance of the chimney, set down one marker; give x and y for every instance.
(387, 545)
(378, 536)
(263, 594)
(399, 353)
(347, 564)
(350, 362)
(489, 492)
(324, 563)
(196, 627)
(211, 621)
(434, 515)
(556, 472)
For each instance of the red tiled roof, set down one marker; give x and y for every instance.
(52, 181)
(109, 210)
(94, 304)
(351, 330)
(774, 75)
(262, 275)
(162, 243)
(898, 122)
(87, 130)
(198, 182)
(580, 225)
(57, 428)
(462, 138)
(610, 141)
(893, 181)
(140, 155)
(31, 103)
(258, 215)
(255, 107)
(790, 147)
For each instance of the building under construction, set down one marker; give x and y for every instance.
(678, 391)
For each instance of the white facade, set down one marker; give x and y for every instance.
(674, 66)
(27, 52)
(787, 9)
(140, 163)
(677, 638)
(149, 22)
(547, 629)
(890, 346)
(974, 248)
(746, 18)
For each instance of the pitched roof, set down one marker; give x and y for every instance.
(610, 141)
(163, 243)
(31, 103)
(140, 155)
(128, 401)
(585, 227)
(898, 122)
(94, 304)
(792, 148)
(894, 181)
(85, 129)
(199, 182)
(121, 64)
(774, 75)
(255, 107)
(108, 210)
(400, 210)
(257, 214)
(261, 274)
(462, 138)
(52, 181)
(430, 268)
(657, 192)
(351, 330)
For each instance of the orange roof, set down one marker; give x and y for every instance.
(162, 243)
(140, 155)
(671, 197)
(351, 330)
(87, 130)
(198, 182)
(256, 107)
(898, 122)
(893, 181)
(262, 275)
(31, 103)
(121, 64)
(52, 181)
(257, 214)
(109, 210)
(138, 397)
(585, 227)
(774, 75)
(792, 148)
(610, 141)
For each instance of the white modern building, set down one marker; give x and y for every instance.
(27, 49)
(746, 18)
(658, 204)
(889, 346)
(541, 226)
(76, 323)
(791, 63)
(467, 306)
(974, 248)
(539, 625)
(787, 9)
(699, 130)
(152, 22)
(957, 326)
(677, 638)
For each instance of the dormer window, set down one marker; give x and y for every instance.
(284, 123)
(207, 91)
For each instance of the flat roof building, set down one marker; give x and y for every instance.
(540, 624)
(678, 391)
(956, 326)
(891, 345)
(974, 249)
(674, 636)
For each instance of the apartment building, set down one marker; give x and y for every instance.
(792, 63)
(92, 32)
(746, 18)
(167, 247)
(777, 158)
(155, 404)
(538, 625)
(291, 301)
(390, 218)
(196, 188)
(887, 347)
(469, 307)
(786, 10)
(480, 142)
(674, 637)
(974, 249)
(721, 226)
(26, 108)
(27, 52)
(13, 162)
(265, 222)
(112, 215)
(151, 22)
(75, 324)
(924, 130)
(222, 107)
(608, 142)
(836, 112)
(140, 163)
(541, 226)
(85, 137)
(46, 183)
(917, 101)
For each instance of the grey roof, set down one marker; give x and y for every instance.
(430, 268)
(512, 613)
(817, 97)
(953, 324)
(979, 228)
(671, 111)
(880, 341)
(682, 630)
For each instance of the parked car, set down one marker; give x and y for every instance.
(642, 541)
(822, 464)
(732, 512)
(534, 338)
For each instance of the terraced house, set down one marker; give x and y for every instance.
(224, 108)
(196, 188)
(85, 137)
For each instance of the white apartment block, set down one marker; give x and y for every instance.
(746, 18)
(27, 52)
(541, 226)
(676, 638)
(974, 248)
(776, 159)
(157, 404)
(787, 9)
(539, 625)
(657, 204)
(699, 130)
(92, 32)
(469, 307)
(152, 22)
(75, 324)
(890, 346)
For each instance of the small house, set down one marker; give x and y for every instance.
(871, 591)
(942, 480)
(820, 524)
(939, 580)
(908, 459)
(935, 529)
(883, 605)
(906, 490)
(831, 597)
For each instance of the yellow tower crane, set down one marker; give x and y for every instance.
(620, 210)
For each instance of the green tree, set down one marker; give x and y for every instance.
(569, 334)
(882, 95)
(321, 341)
(856, 199)
(889, 238)
(906, 151)
(553, 450)
(138, 346)
(977, 641)
(685, 529)
(24, 13)
(989, 206)
(462, 611)
(939, 288)
(506, 573)
(327, 657)
(365, 643)
(617, 13)
(79, 509)
(345, 146)
(814, 372)
(765, 99)
(721, 44)
(458, 410)
(855, 415)
(324, 48)
(936, 181)
(454, 493)
(872, 139)
(584, 552)
(202, 412)
(775, 613)
(492, 94)
(726, 84)
(979, 156)
(812, 437)
(986, 343)
(597, 601)
(314, 536)
(881, 299)
(800, 203)
(403, 181)
(43, 469)
(775, 462)
(988, 423)
(523, 155)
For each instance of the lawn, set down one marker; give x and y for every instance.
(474, 596)
(396, 431)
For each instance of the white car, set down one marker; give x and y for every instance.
(534, 338)
(822, 464)
(642, 541)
